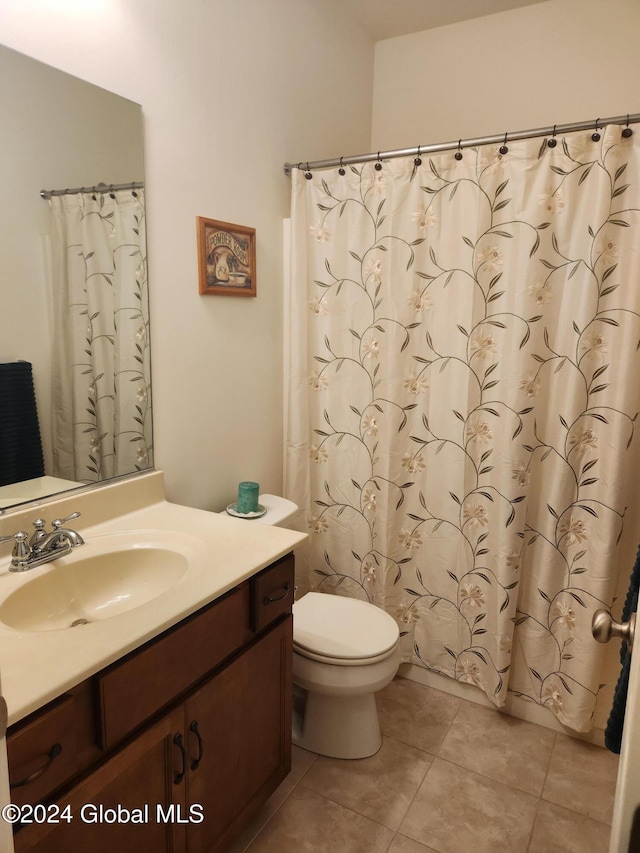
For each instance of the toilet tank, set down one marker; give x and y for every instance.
(279, 510)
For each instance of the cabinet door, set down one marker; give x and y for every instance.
(239, 735)
(145, 777)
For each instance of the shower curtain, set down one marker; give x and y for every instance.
(464, 351)
(101, 369)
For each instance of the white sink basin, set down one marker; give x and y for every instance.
(97, 581)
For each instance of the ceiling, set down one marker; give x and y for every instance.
(385, 19)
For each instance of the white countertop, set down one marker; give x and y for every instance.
(38, 666)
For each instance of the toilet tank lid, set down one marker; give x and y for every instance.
(278, 509)
(339, 627)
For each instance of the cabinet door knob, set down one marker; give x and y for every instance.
(53, 753)
(183, 752)
(193, 727)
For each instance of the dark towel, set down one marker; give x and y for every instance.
(613, 732)
(20, 444)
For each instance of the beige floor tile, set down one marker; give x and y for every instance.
(582, 777)
(309, 823)
(402, 844)
(559, 830)
(499, 746)
(457, 811)
(476, 774)
(301, 761)
(416, 714)
(381, 787)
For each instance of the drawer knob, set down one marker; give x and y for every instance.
(270, 599)
(53, 753)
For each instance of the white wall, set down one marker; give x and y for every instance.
(550, 63)
(230, 90)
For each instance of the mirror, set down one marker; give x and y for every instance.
(59, 132)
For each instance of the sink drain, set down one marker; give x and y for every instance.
(79, 622)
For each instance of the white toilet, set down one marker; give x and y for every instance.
(344, 651)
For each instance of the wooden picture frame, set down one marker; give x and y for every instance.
(226, 258)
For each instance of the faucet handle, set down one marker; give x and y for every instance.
(21, 548)
(39, 531)
(58, 522)
(19, 536)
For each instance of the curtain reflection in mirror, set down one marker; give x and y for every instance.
(101, 386)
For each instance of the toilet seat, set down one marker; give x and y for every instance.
(342, 631)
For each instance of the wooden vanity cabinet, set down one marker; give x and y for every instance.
(193, 771)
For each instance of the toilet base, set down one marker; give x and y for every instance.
(337, 726)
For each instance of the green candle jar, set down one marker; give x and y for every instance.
(248, 497)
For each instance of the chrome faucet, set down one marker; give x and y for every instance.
(43, 547)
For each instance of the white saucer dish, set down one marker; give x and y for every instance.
(232, 509)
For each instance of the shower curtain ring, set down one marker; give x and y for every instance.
(627, 132)
(308, 174)
(378, 166)
(503, 148)
(133, 190)
(553, 141)
(418, 160)
(458, 154)
(341, 169)
(595, 135)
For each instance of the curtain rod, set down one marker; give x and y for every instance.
(100, 188)
(464, 143)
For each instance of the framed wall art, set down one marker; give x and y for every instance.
(226, 258)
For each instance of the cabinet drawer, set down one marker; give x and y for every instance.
(135, 689)
(272, 593)
(43, 753)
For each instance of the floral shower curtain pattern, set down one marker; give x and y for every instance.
(463, 401)
(101, 366)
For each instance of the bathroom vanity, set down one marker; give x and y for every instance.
(175, 735)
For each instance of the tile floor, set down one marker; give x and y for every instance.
(451, 777)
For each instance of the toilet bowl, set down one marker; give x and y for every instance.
(344, 651)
